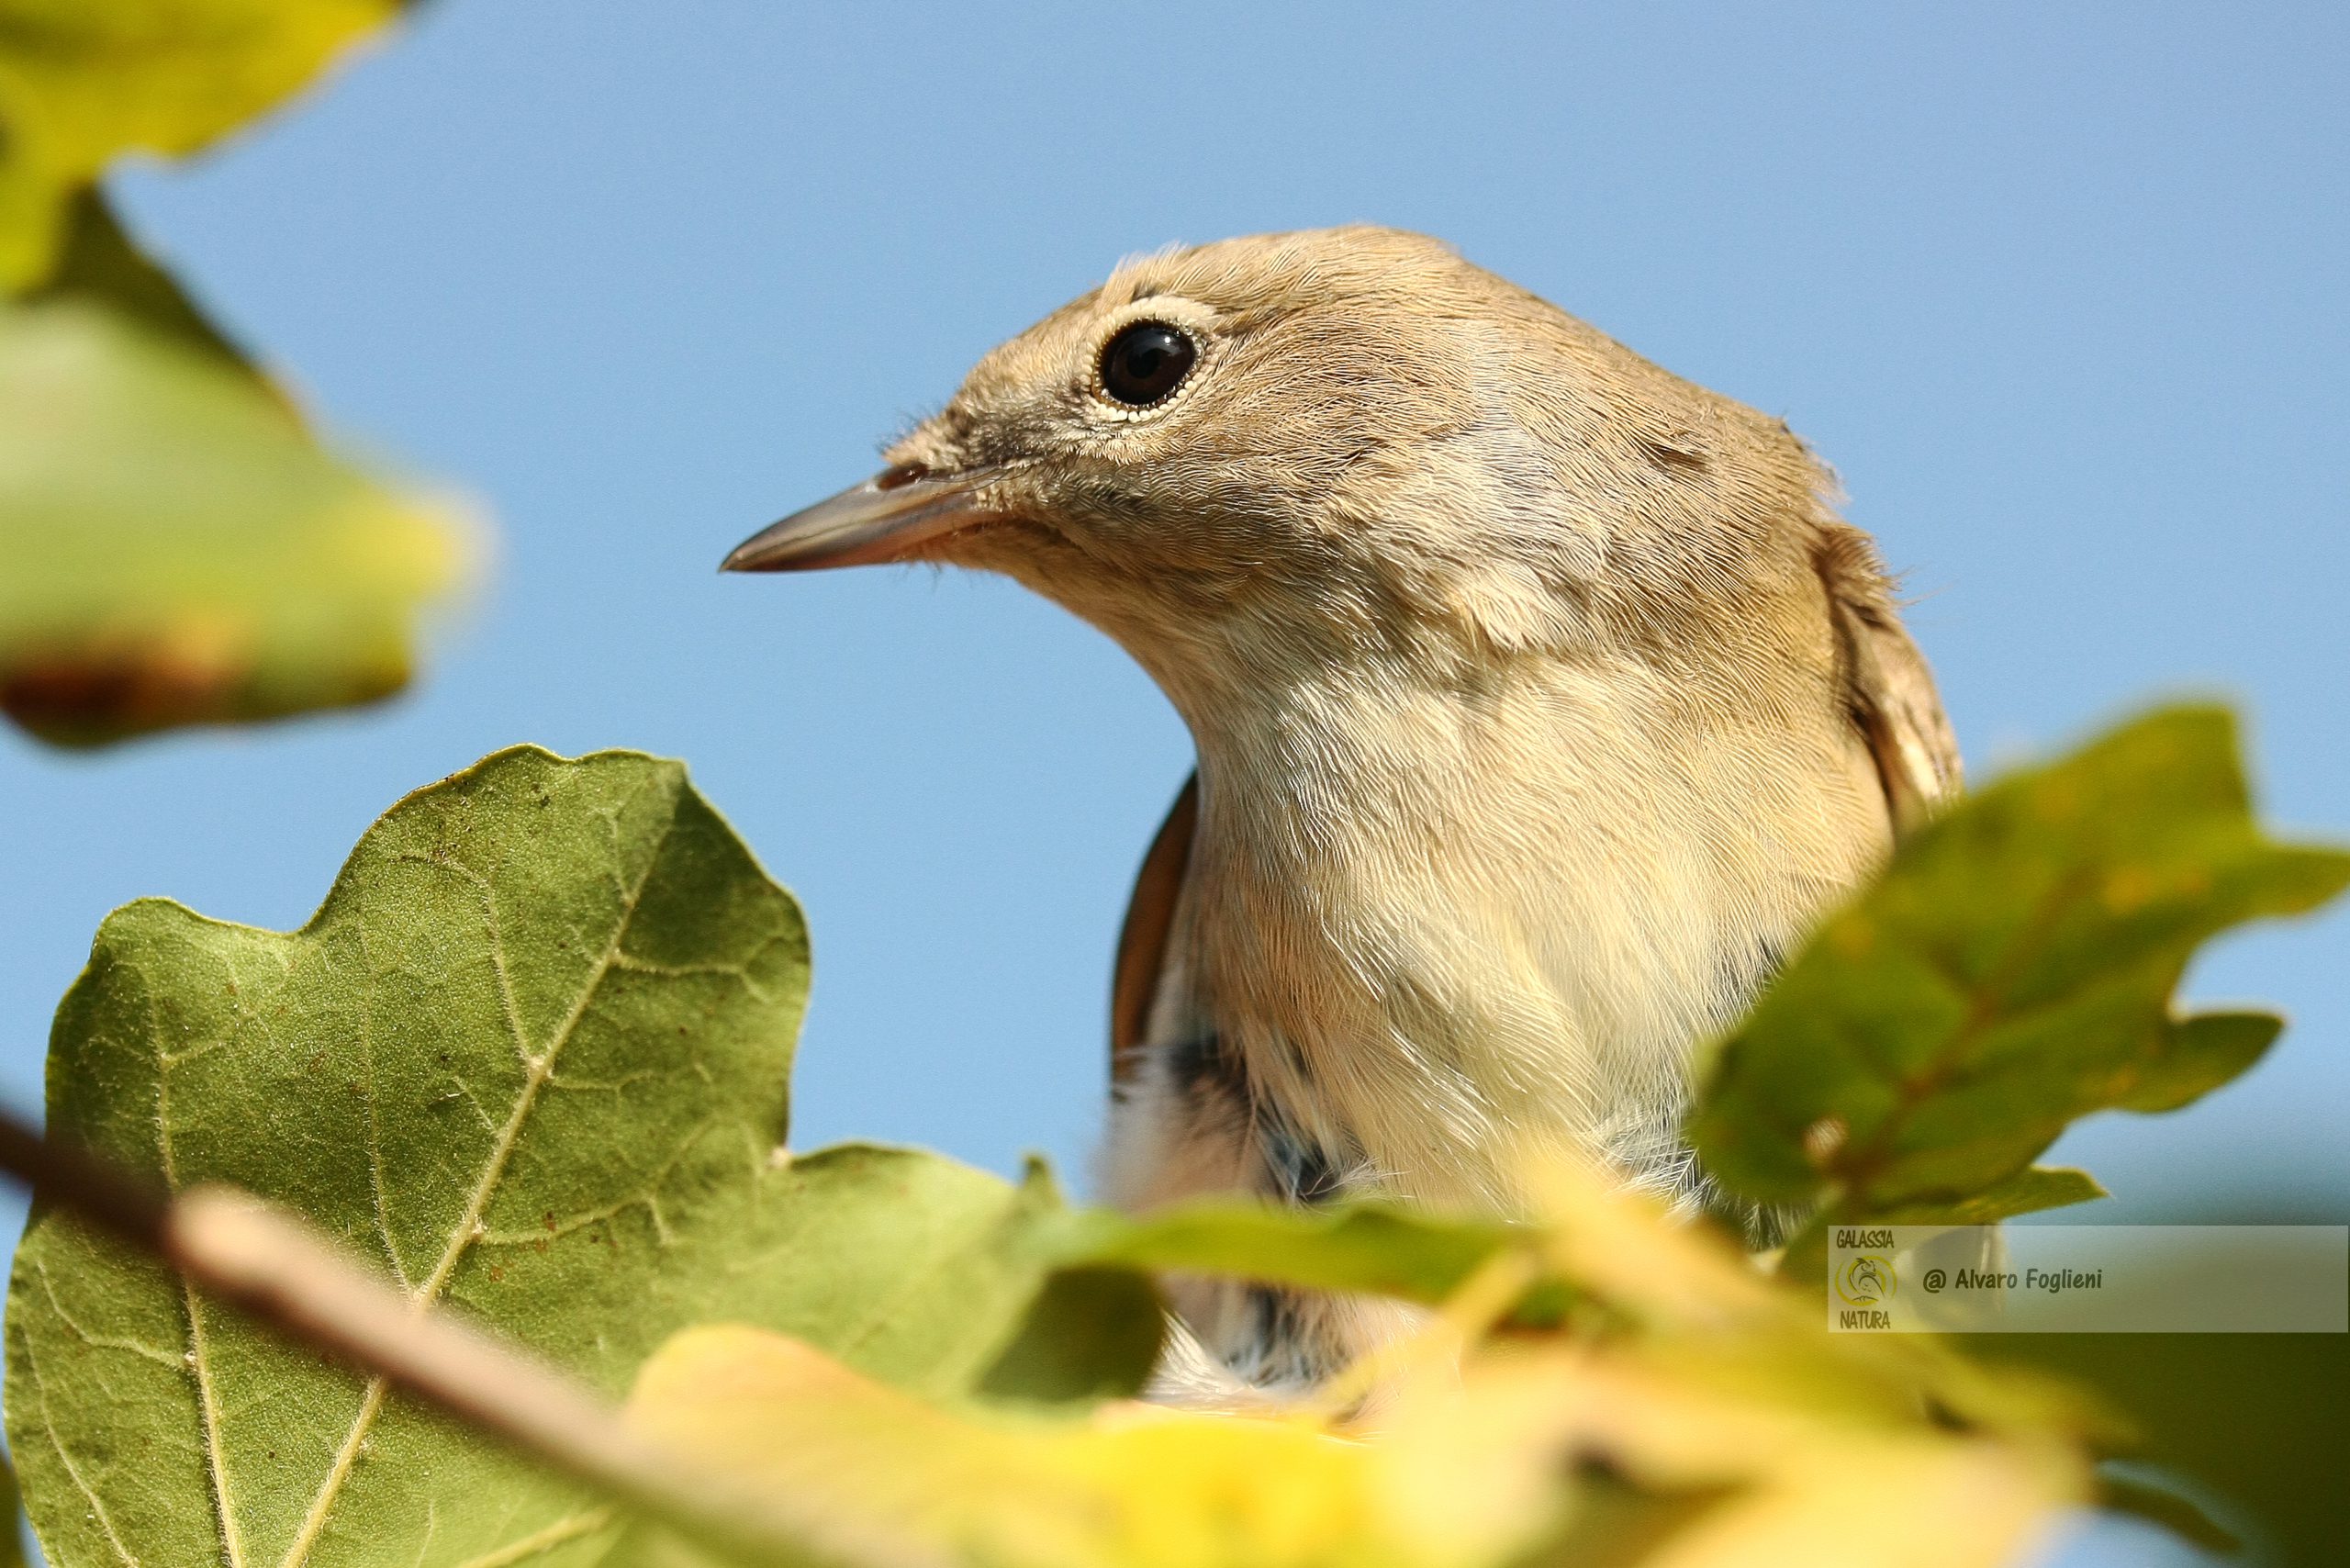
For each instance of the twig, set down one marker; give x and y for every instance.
(283, 1271)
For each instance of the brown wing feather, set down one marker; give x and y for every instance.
(1142, 939)
(1886, 683)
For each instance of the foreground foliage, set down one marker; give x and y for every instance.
(81, 84)
(2011, 972)
(529, 1062)
(529, 1058)
(1713, 1422)
(175, 547)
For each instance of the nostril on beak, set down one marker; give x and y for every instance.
(899, 509)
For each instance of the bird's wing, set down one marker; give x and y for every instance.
(1142, 939)
(1886, 684)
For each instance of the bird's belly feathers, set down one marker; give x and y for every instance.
(1467, 943)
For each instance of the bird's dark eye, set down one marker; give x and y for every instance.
(1147, 362)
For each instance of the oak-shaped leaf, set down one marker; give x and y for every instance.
(2012, 969)
(529, 1058)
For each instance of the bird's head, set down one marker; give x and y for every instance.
(1273, 447)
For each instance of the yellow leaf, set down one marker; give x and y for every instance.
(886, 1478)
(1779, 1481)
(82, 81)
(1533, 1453)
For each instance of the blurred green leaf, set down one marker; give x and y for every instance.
(173, 549)
(2028, 1191)
(100, 264)
(2011, 971)
(2204, 1051)
(1089, 1333)
(530, 1057)
(2257, 1421)
(84, 81)
(1370, 1248)
(2174, 1511)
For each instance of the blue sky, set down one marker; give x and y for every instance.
(2057, 290)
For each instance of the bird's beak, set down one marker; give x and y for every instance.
(886, 519)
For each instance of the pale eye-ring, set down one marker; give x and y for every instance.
(1146, 362)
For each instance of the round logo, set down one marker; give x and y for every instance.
(1866, 1280)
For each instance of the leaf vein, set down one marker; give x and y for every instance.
(199, 1361)
(66, 1457)
(556, 1534)
(96, 1341)
(468, 1227)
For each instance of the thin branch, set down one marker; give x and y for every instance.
(277, 1268)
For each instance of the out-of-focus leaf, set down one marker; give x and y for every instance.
(84, 81)
(1696, 1296)
(530, 1056)
(100, 264)
(1695, 1462)
(909, 1482)
(173, 549)
(1539, 1454)
(2174, 1511)
(2012, 971)
(2028, 1191)
(1718, 1425)
(929, 1275)
(2205, 1050)
(2257, 1421)
(1088, 1334)
(1370, 1248)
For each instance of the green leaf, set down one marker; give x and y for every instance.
(2011, 971)
(2174, 1510)
(2028, 1191)
(81, 83)
(1369, 1248)
(102, 264)
(1089, 1333)
(2258, 1421)
(2198, 1054)
(173, 549)
(926, 1274)
(529, 1059)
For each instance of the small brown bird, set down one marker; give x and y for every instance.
(1542, 701)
